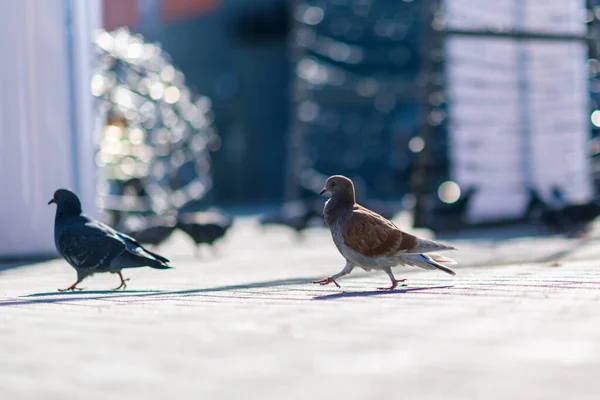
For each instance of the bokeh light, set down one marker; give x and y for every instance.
(596, 118)
(416, 144)
(449, 192)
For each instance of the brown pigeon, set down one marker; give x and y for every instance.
(369, 241)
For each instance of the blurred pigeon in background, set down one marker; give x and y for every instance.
(92, 247)
(152, 230)
(572, 219)
(558, 198)
(296, 215)
(369, 241)
(453, 216)
(205, 226)
(558, 216)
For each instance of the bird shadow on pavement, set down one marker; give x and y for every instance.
(69, 297)
(377, 292)
(64, 297)
(91, 292)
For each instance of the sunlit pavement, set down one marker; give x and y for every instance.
(521, 320)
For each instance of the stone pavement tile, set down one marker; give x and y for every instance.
(249, 324)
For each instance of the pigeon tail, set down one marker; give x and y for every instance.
(161, 266)
(133, 260)
(134, 247)
(157, 256)
(442, 259)
(427, 261)
(426, 246)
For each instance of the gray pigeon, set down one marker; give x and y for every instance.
(152, 230)
(371, 242)
(204, 226)
(91, 246)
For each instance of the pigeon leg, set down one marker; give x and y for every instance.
(327, 281)
(73, 287)
(388, 270)
(123, 282)
(81, 275)
(347, 269)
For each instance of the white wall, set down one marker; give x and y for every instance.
(46, 116)
(519, 113)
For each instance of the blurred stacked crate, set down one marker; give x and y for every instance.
(357, 93)
(517, 102)
(593, 64)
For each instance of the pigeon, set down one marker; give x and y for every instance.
(452, 216)
(535, 206)
(152, 230)
(204, 227)
(296, 215)
(558, 216)
(572, 219)
(92, 247)
(558, 198)
(369, 241)
(460, 206)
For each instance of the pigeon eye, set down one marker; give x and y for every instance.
(333, 184)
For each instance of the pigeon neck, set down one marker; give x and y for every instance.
(338, 206)
(64, 213)
(345, 197)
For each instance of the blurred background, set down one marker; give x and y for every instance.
(169, 114)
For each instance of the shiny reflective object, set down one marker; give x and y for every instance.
(595, 117)
(449, 192)
(416, 144)
(154, 143)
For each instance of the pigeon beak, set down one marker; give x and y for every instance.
(323, 192)
(51, 201)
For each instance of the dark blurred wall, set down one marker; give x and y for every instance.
(236, 53)
(360, 91)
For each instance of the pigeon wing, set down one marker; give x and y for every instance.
(89, 245)
(134, 247)
(129, 244)
(374, 236)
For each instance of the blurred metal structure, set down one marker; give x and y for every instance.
(593, 65)
(153, 151)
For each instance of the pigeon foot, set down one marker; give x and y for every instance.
(327, 281)
(72, 288)
(394, 284)
(123, 284)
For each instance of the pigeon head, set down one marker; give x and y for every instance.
(66, 201)
(339, 187)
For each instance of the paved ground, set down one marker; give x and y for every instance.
(513, 324)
